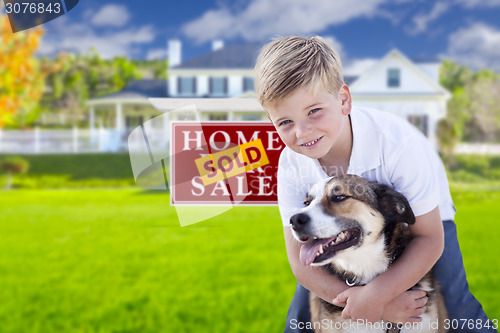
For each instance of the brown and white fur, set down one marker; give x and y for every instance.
(355, 229)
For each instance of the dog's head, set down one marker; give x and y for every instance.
(344, 213)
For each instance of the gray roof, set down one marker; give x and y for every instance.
(350, 79)
(242, 55)
(140, 89)
(232, 56)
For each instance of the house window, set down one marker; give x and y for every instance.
(133, 121)
(186, 85)
(218, 86)
(217, 116)
(421, 122)
(251, 117)
(248, 84)
(393, 77)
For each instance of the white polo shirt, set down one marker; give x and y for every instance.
(387, 149)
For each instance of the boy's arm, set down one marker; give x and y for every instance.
(418, 258)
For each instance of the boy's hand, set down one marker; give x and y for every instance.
(406, 308)
(360, 304)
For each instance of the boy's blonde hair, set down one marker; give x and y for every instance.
(286, 64)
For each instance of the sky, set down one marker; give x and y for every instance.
(465, 31)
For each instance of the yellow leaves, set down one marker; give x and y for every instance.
(21, 80)
(4, 25)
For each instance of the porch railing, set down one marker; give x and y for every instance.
(41, 141)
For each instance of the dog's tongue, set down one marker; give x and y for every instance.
(308, 251)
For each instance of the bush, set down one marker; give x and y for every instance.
(13, 165)
(473, 168)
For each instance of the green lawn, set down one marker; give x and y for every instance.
(100, 260)
(74, 171)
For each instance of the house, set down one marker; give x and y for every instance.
(407, 88)
(227, 71)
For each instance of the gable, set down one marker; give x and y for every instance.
(405, 77)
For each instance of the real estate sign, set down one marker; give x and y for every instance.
(224, 163)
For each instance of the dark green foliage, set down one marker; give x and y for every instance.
(73, 79)
(81, 170)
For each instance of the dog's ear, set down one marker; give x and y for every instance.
(394, 205)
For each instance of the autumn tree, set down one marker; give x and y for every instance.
(21, 80)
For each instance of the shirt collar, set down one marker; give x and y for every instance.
(365, 154)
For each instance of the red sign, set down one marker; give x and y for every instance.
(220, 163)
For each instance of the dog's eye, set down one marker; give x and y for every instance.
(307, 202)
(339, 198)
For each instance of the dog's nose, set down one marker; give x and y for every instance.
(299, 220)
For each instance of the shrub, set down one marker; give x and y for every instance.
(13, 165)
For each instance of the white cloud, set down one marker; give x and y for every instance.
(66, 35)
(358, 67)
(262, 18)
(155, 54)
(421, 21)
(477, 46)
(111, 16)
(479, 3)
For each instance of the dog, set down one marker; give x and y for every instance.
(355, 229)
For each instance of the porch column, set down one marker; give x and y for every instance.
(166, 129)
(119, 117)
(92, 123)
(92, 119)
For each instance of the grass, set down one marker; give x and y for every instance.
(79, 170)
(102, 260)
(114, 170)
(479, 236)
(117, 261)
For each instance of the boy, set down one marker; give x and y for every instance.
(299, 83)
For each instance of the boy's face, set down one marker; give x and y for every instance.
(312, 123)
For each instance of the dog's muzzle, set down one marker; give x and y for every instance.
(299, 221)
(300, 224)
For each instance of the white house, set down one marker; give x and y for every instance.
(227, 71)
(406, 88)
(396, 84)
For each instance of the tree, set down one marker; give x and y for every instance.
(83, 76)
(21, 80)
(447, 136)
(484, 108)
(453, 76)
(474, 109)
